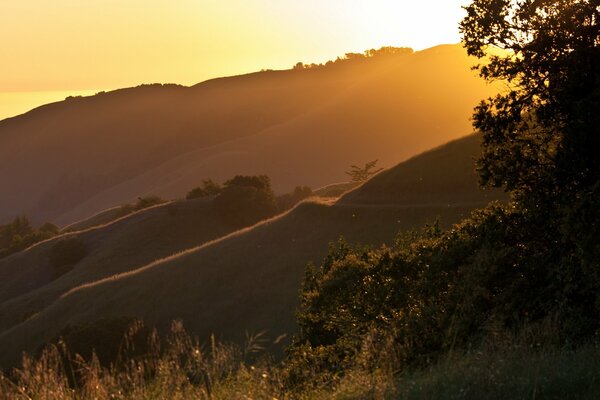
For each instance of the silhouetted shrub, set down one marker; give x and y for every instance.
(245, 200)
(142, 203)
(147, 201)
(437, 291)
(19, 235)
(208, 189)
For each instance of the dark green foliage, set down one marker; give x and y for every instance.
(508, 269)
(440, 291)
(66, 253)
(245, 200)
(20, 234)
(362, 174)
(540, 138)
(209, 188)
(289, 200)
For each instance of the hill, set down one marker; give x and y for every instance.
(29, 281)
(245, 281)
(84, 155)
(441, 176)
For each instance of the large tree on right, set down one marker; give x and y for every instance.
(541, 136)
(541, 140)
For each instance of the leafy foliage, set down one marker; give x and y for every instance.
(245, 200)
(20, 234)
(209, 188)
(540, 137)
(437, 291)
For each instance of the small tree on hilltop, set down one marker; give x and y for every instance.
(363, 174)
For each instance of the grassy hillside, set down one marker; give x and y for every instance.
(29, 281)
(247, 281)
(79, 152)
(442, 176)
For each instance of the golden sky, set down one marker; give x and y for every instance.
(72, 45)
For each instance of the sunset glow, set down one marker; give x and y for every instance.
(70, 45)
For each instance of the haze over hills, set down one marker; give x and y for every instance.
(246, 281)
(65, 161)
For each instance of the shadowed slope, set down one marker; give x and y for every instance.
(88, 154)
(247, 281)
(442, 176)
(28, 281)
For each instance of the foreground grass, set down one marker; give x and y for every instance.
(180, 368)
(509, 374)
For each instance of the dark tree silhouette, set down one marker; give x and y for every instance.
(245, 200)
(362, 174)
(209, 188)
(541, 137)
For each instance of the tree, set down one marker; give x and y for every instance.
(246, 200)
(541, 137)
(363, 174)
(209, 188)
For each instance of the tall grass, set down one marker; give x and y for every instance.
(175, 367)
(178, 366)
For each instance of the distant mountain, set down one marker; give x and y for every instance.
(65, 161)
(245, 281)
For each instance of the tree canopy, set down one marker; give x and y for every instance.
(541, 136)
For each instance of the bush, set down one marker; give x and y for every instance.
(246, 200)
(490, 275)
(19, 235)
(208, 189)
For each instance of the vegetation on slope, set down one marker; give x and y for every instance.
(19, 234)
(247, 281)
(432, 315)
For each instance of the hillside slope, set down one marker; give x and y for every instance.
(442, 176)
(68, 160)
(249, 280)
(28, 280)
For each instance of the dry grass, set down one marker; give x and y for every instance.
(178, 366)
(246, 281)
(28, 284)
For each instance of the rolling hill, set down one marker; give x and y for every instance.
(29, 281)
(65, 161)
(249, 280)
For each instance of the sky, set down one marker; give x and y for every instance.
(70, 46)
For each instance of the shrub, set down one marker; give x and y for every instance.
(246, 200)
(492, 274)
(208, 189)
